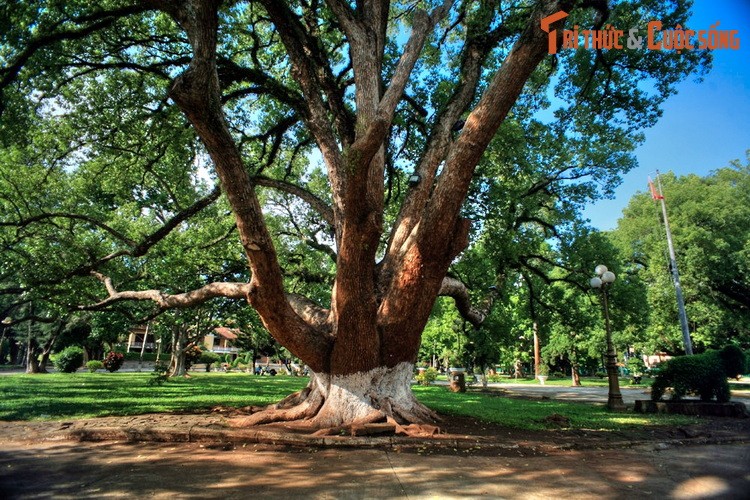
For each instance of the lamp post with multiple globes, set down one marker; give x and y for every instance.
(602, 281)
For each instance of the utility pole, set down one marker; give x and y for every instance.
(673, 267)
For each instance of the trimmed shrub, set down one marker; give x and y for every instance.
(136, 356)
(705, 374)
(69, 359)
(427, 376)
(113, 361)
(94, 365)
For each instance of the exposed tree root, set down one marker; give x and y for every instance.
(375, 402)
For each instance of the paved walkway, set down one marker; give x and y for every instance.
(68, 470)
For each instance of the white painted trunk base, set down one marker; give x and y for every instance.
(369, 396)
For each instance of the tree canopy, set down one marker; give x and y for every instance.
(708, 217)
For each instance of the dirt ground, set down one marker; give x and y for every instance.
(149, 457)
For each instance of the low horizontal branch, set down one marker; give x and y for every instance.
(451, 287)
(309, 311)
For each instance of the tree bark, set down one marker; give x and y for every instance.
(32, 357)
(575, 376)
(177, 361)
(378, 395)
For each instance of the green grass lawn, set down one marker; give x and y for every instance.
(530, 413)
(83, 394)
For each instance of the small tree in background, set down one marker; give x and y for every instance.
(209, 358)
(69, 360)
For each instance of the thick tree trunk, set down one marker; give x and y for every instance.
(32, 357)
(575, 376)
(574, 373)
(378, 395)
(47, 351)
(177, 365)
(43, 362)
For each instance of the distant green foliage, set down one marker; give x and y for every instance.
(636, 366)
(69, 360)
(705, 374)
(160, 375)
(94, 365)
(136, 356)
(709, 221)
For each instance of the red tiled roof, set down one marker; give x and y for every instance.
(227, 333)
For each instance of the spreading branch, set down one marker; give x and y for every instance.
(320, 206)
(457, 290)
(306, 308)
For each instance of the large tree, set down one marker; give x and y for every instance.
(708, 220)
(379, 91)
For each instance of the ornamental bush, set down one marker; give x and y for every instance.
(705, 374)
(94, 365)
(427, 376)
(69, 359)
(113, 361)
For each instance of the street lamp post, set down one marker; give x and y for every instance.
(603, 279)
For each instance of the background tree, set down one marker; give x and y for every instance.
(707, 216)
(264, 85)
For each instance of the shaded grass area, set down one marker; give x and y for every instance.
(83, 395)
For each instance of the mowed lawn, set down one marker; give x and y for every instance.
(83, 394)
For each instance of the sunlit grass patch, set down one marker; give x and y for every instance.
(531, 414)
(33, 397)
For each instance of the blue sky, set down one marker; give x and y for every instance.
(705, 126)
